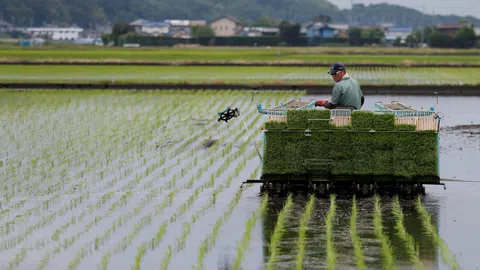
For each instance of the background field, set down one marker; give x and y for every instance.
(318, 55)
(234, 75)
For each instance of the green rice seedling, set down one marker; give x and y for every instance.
(407, 239)
(166, 259)
(278, 232)
(105, 259)
(447, 256)
(246, 236)
(357, 244)
(329, 220)
(302, 234)
(387, 251)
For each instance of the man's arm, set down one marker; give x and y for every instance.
(336, 96)
(362, 100)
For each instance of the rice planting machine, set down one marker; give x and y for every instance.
(392, 149)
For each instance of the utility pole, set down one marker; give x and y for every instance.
(351, 12)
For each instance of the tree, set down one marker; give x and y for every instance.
(266, 21)
(355, 35)
(289, 32)
(397, 42)
(411, 41)
(323, 18)
(120, 29)
(199, 31)
(440, 40)
(465, 38)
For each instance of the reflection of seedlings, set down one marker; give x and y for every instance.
(331, 256)
(357, 244)
(278, 232)
(447, 256)
(303, 232)
(387, 252)
(246, 236)
(406, 238)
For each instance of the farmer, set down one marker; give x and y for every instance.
(346, 92)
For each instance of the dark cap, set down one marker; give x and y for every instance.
(337, 66)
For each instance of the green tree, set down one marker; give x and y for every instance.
(440, 40)
(411, 41)
(266, 21)
(199, 31)
(120, 29)
(397, 42)
(465, 38)
(323, 18)
(426, 32)
(289, 32)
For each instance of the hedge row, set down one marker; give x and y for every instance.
(405, 154)
(235, 41)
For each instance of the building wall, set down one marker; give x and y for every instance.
(56, 33)
(225, 27)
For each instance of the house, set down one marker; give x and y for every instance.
(392, 33)
(319, 29)
(451, 28)
(227, 26)
(55, 33)
(260, 31)
(182, 28)
(151, 28)
(339, 30)
(5, 27)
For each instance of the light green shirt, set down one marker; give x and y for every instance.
(347, 92)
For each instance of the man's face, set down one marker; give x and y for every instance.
(338, 76)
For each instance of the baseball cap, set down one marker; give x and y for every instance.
(337, 66)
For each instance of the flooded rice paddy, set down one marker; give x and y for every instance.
(151, 180)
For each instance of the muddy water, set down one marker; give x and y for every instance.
(455, 211)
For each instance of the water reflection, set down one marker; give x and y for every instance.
(315, 257)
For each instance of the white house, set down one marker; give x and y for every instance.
(392, 33)
(56, 33)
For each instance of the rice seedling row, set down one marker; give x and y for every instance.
(357, 243)
(302, 234)
(408, 242)
(447, 256)
(242, 246)
(388, 260)
(278, 233)
(329, 220)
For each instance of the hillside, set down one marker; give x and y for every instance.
(88, 13)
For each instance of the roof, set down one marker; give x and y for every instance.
(337, 26)
(228, 18)
(138, 22)
(178, 22)
(453, 25)
(156, 24)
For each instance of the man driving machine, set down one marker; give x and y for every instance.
(346, 93)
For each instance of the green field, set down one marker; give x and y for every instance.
(309, 55)
(233, 75)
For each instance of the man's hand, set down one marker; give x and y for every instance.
(321, 102)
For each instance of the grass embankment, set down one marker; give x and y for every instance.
(222, 75)
(349, 55)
